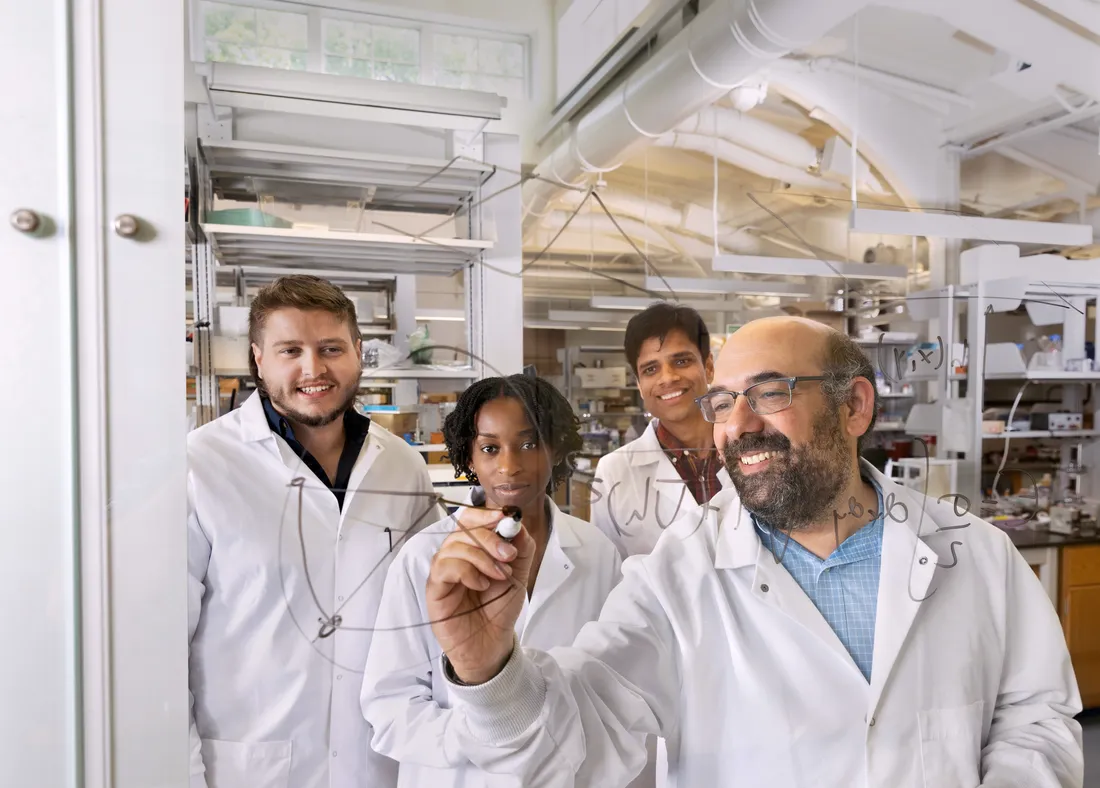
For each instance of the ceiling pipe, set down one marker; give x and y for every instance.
(722, 47)
(746, 159)
(752, 133)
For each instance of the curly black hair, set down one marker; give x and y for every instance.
(548, 411)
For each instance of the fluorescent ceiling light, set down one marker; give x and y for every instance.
(635, 304)
(449, 315)
(675, 284)
(566, 326)
(806, 266)
(575, 316)
(974, 228)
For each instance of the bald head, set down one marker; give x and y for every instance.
(788, 346)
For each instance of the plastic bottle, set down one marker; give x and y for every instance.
(1043, 492)
(1055, 353)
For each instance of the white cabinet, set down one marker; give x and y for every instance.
(93, 671)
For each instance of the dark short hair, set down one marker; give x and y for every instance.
(844, 362)
(548, 411)
(656, 321)
(297, 291)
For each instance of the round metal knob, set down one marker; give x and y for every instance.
(25, 220)
(127, 225)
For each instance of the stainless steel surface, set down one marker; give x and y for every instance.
(25, 220)
(127, 225)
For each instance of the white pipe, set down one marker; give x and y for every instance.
(745, 159)
(724, 45)
(752, 133)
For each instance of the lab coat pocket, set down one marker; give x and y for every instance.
(951, 746)
(233, 764)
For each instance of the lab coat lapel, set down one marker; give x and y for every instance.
(669, 496)
(556, 567)
(908, 566)
(368, 456)
(784, 594)
(739, 546)
(255, 429)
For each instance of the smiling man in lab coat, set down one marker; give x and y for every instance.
(826, 628)
(673, 469)
(297, 504)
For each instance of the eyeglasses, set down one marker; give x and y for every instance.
(765, 398)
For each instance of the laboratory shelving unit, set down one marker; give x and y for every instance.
(1063, 302)
(262, 173)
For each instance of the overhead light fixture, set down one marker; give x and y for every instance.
(734, 286)
(973, 228)
(445, 315)
(806, 266)
(635, 304)
(569, 315)
(566, 326)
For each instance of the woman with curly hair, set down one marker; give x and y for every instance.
(514, 438)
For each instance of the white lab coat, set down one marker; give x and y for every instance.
(273, 705)
(637, 494)
(710, 642)
(405, 698)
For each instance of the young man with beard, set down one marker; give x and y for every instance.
(297, 505)
(907, 650)
(672, 470)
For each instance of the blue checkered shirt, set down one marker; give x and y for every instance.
(844, 586)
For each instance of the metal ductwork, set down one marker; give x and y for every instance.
(721, 48)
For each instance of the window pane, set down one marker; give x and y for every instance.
(455, 53)
(502, 58)
(393, 72)
(229, 23)
(350, 39)
(397, 45)
(282, 30)
(222, 52)
(348, 66)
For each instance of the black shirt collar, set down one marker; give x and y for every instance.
(356, 427)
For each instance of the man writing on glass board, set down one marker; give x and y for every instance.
(824, 627)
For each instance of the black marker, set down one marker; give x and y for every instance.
(509, 526)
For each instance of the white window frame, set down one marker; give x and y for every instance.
(427, 25)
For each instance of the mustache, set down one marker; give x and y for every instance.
(756, 443)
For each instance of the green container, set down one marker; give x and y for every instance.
(248, 217)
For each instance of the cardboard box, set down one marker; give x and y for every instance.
(438, 399)
(600, 378)
(397, 423)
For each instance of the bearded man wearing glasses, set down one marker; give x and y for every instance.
(824, 627)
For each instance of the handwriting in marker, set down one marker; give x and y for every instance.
(954, 557)
(955, 503)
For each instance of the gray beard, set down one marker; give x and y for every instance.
(807, 483)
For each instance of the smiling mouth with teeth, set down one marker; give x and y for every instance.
(673, 395)
(753, 459)
(314, 389)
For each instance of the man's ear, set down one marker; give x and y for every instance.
(861, 406)
(258, 354)
(708, 365)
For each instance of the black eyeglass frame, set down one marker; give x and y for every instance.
(704, 406)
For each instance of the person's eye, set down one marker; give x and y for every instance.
(771, 394)
(649, 370)
(722, 405)
(530, 445)
(488, 449)
(682, 362)
(332, 351)
(290, 351)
